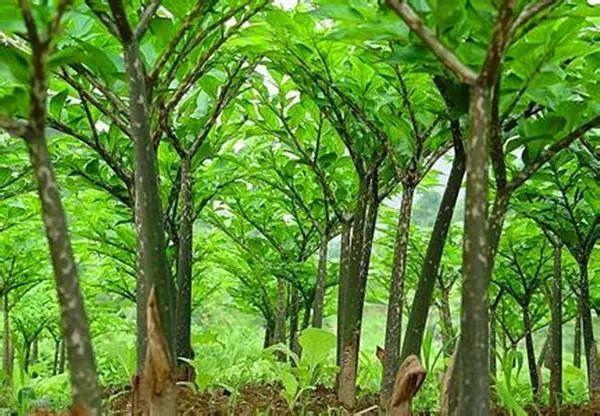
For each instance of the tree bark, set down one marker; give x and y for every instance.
(321, 278)
(62, 358)
(447, 329)
(493, 344)
(531, 363)
(419, 310)
(343, 282)
(556, 331)
(184, 275)
(391, 359)
(588, 329)
(577, 338)
(84, 381)
(474, 379)
(363, 230)
(294, 311)
(152, 258)
(6, 341)
(279, 330)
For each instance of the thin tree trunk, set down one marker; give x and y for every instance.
(34, 351)
(447, 329)
(62, 358)
(588, 330)
(279, 330)
(474, 379)
(343, 279)
(577, 338)
(153, 265)
(184, 275)
(493, 345)
(363, 230)
(321, 278)
(532, 365)
(419, 310)
(294, 311)
(269, 327)
(306, 316)
(154, 273)
(26, 355)
(556, 331)
(84, 381)
(391, 359)
(56, 356)
(6, 341)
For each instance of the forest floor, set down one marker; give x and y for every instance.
(266, 399)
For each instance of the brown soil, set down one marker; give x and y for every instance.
(266, 399)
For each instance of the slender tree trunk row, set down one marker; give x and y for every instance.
(321, 279)
(556, 331)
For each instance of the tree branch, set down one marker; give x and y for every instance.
(145, 19)
(412, 20)
(549, 153)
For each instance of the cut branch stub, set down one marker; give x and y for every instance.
(409, 380)
(155, 389)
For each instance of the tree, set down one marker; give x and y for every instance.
(85, 391)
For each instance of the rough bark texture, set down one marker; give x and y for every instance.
(474, 383)
(321, 278)
(363, 230)
(391, 359)
(409, 380)
(419, 310)
(556, 331)
(84, 381)
(184, 276)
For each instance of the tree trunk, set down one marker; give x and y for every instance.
(493, 368)
(343, 278)
(588, 329)
(306, 317)
(34, 351)
(393, 328)
(279, 330)
(577, 338)
(26, 355)
(419, 310)
(84, 381)
(294, 312)
(184, 275)
(269, 327)
(321, 278)
(153, 265)
(447, 329)
(531, 363)
(474, 379)
(56, 357)
(62, 358)
(363, 230)
(6, 341)
(556, 331)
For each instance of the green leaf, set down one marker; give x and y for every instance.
(317, 344)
